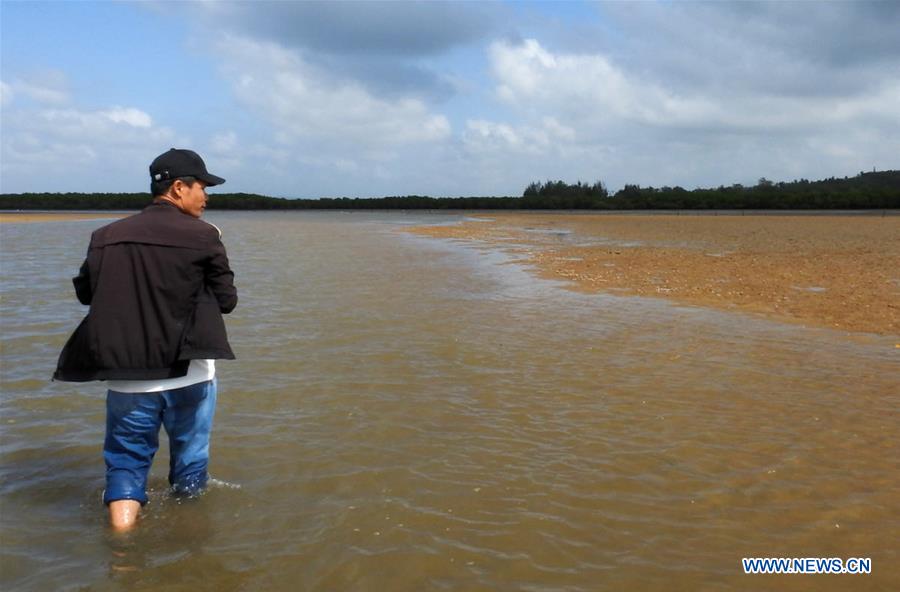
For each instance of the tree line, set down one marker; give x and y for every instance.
(873, 190)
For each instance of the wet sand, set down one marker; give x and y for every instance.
(31, 217)
(841, 272)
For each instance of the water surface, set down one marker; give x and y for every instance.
(412, 414)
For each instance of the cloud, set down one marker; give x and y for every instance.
(391, 78)
(697, 109)
(71, 149)
(483, 136)
(6, 94)
(227, 151)
(113, 124)
(626, 124)
(591, 90)
(778, 48)
(304, 103)
(389, 48)
(130, 116)
(348, 98)
(49, 87)
(584, 87)
(398, 29)
(224, 143)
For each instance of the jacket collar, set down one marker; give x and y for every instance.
(163, 206)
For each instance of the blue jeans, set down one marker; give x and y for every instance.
(132, 439)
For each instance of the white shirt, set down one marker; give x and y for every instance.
(198, 371)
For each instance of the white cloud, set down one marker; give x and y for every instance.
(41, 94)
(224, 149)
(304, 102)
(586, 87)
(566, 115)
(624, 127)
(485, 136)
(6, 94)
(47, 87)
(224, 143)
(651, 93)
(130, 116)
(114, 125)
(591, 90)
(105, 149)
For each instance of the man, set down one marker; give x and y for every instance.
(157, 284)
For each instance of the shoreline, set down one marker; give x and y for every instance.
(25, 217)
(827, 271)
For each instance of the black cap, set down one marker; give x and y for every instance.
(178, 162)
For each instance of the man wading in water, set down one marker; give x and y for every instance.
(157, 284)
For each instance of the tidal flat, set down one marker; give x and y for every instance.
(841, 272)
(24, 217)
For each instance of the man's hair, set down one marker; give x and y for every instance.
(158, 188)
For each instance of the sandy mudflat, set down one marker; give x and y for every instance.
(29, 217)
(841, 272)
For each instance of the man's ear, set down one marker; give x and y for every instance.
(178, 188)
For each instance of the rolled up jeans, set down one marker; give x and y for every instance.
(132, 439)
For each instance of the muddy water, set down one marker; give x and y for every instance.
(414, 414)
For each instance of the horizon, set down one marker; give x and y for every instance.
(369, 100)
(213, 193)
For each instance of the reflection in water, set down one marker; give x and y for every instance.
(409, 414)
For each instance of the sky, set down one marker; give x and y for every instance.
(369, 99)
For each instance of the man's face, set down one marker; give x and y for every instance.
(192, 197)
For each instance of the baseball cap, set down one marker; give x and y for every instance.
(178, 162)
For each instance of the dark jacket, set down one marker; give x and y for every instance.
(157, 284)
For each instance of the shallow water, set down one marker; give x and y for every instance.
(413, 414)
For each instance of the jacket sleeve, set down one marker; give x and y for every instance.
(220, 279)
(82, 283)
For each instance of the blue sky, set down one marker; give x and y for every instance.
(370, 99)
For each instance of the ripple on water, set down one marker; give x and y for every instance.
(408, 414)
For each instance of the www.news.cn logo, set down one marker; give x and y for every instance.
(806, 565)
